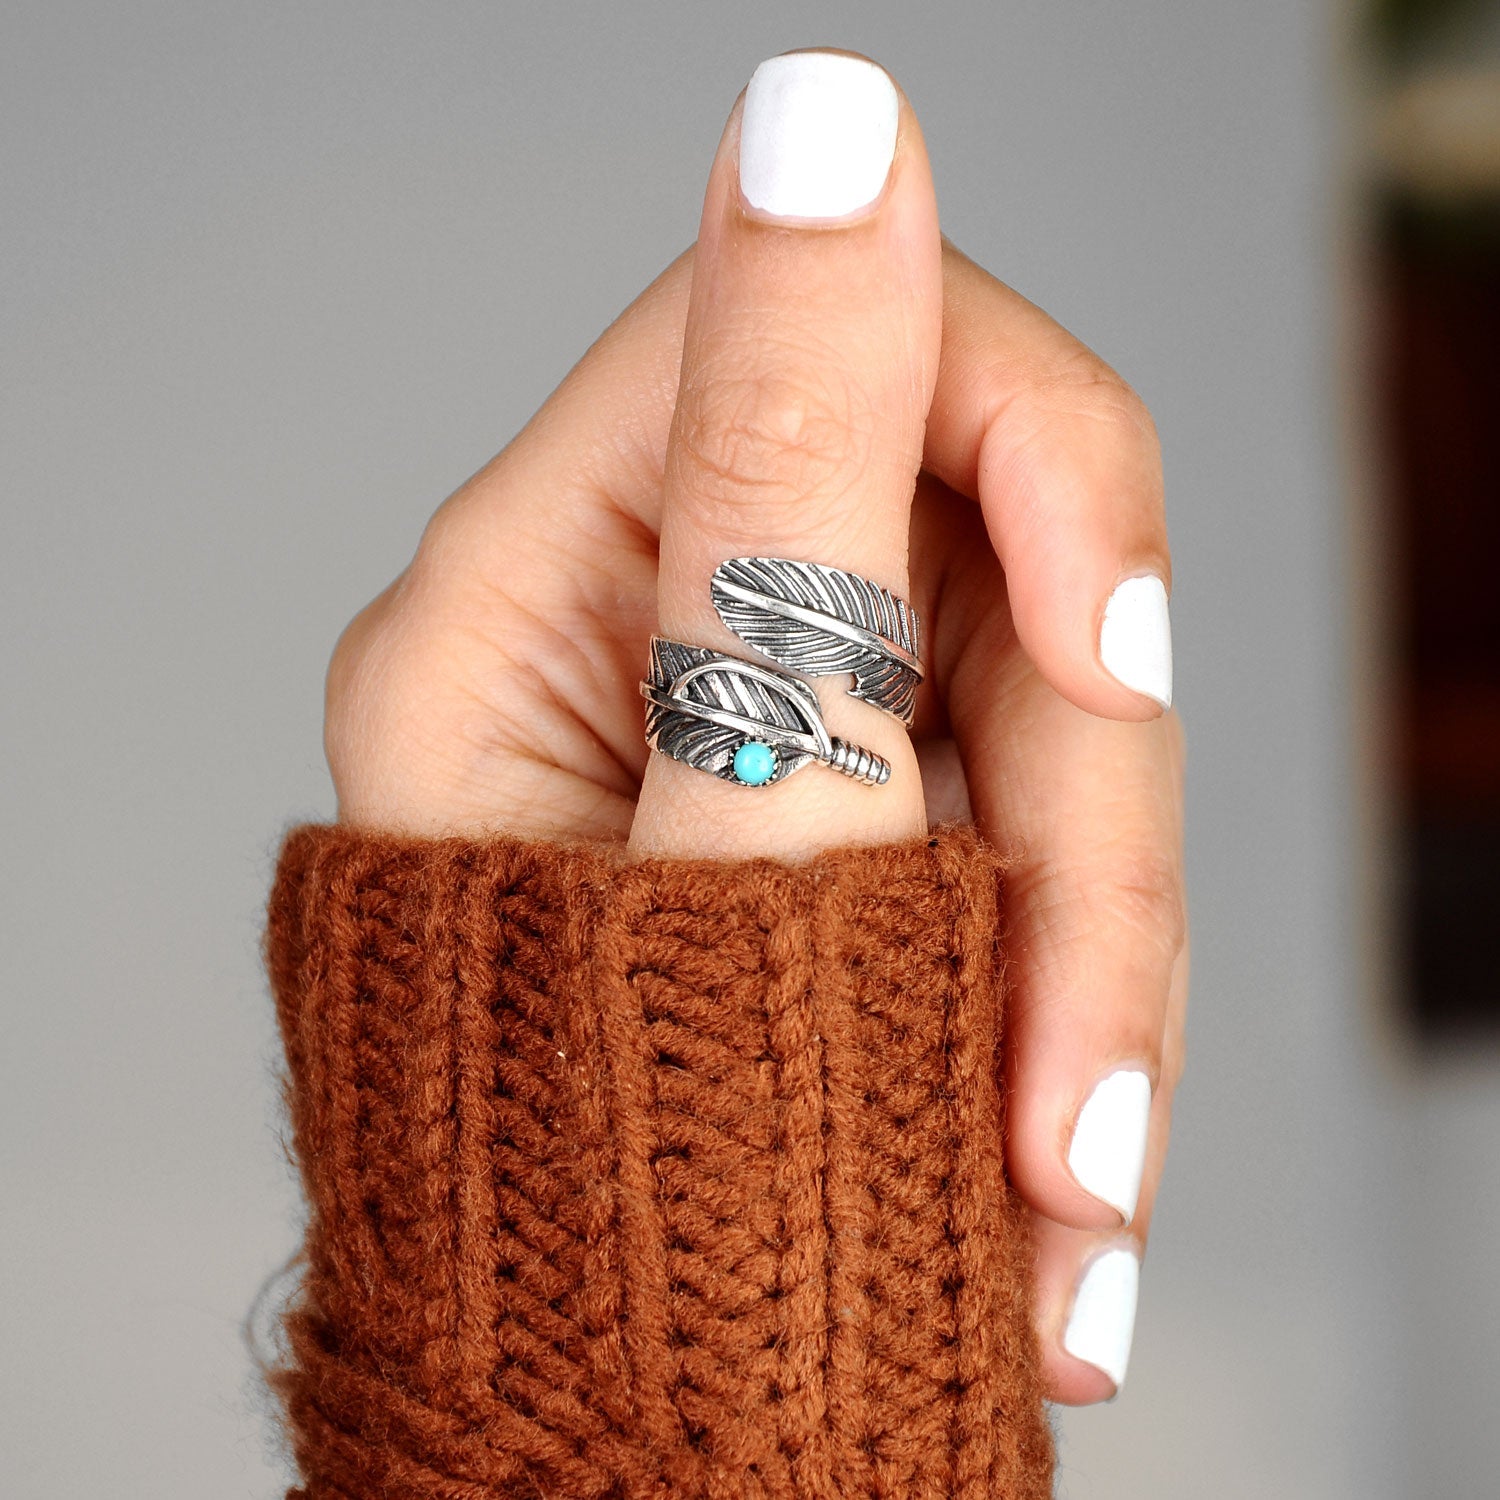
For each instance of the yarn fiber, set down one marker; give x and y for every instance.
(671, 1179)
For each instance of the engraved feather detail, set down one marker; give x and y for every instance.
(704, 709)
(819, 621)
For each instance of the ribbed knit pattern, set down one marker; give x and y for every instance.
(675, 1179)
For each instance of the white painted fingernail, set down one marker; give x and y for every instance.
(1135, 642)
(1108, 1152)
(818, 135)
(1102, 1322)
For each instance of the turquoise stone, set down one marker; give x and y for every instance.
(754, 763)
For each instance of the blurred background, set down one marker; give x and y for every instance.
(278, 277)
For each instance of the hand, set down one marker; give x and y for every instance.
(778, 391)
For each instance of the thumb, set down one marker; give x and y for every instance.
(808, 366)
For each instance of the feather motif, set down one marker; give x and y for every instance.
(738, 701)
(819, 620)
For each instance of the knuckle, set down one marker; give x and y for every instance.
(454, 536)
(349, 685)
(393, 653)
(1083, 398)
(410, 702)
(347, 668)
(1088, 387)
(1131, 902)
(758, 437)
(1144, 896)
(382, 666)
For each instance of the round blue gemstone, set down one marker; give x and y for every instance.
(754, 763)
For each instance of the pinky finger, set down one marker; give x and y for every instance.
(1088, 1284)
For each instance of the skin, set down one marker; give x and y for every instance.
(857, 393)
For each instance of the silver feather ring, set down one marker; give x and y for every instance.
(741, 722)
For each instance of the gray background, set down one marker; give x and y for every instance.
(278, 277)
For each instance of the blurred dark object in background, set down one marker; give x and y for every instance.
(1438, 233)
(1406, 29)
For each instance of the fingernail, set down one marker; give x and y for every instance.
(1102, 1322)
(817, 136)
(1108, 1152)
(1135, 642)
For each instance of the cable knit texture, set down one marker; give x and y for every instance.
(672, 1179)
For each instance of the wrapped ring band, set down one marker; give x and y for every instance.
(741, 722)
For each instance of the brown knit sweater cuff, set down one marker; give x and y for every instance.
(669, 1179)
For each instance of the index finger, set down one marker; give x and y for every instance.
(1063, 457)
